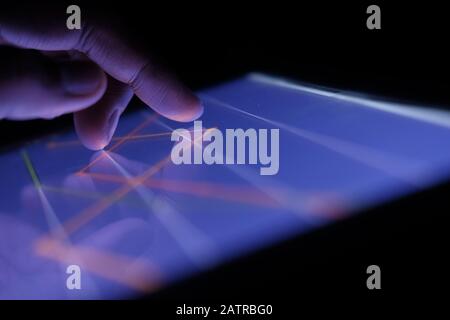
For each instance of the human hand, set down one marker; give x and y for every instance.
(92, 72)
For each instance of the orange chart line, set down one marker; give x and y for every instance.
(97, 208)
(88, 195)
(121, 141)
(54, 144)
(142, 276)
(201, 189)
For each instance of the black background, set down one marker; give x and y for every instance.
(326, 43)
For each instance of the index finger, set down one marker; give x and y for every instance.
(152, 83)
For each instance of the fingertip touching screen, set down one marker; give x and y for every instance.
(268, 160)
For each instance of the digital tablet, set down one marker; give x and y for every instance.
(166, 200)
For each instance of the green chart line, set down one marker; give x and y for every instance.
(30, 168)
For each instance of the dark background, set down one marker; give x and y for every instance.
(326, 43)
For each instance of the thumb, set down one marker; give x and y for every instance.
(35, 86)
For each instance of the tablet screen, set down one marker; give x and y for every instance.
(152, 209)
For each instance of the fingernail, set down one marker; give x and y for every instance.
(192, 110)
(112, 124)
(81, 78)
(200, 110)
